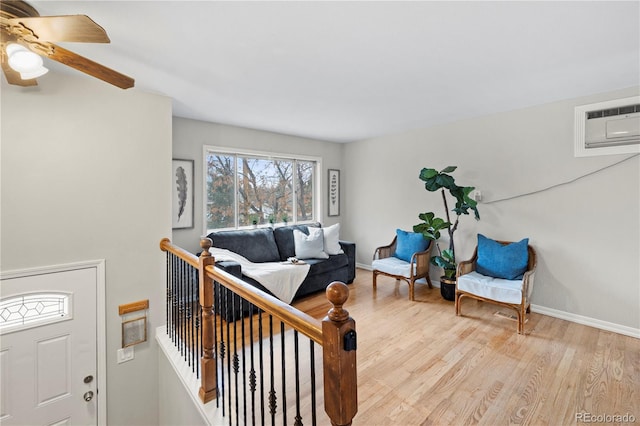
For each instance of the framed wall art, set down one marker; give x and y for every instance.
(334, 192)
(134, 331)
(182, 209)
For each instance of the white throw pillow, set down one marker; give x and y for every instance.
(309, 246)
(332, 239)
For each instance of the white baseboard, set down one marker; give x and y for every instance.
(568, 316)
(591, 322)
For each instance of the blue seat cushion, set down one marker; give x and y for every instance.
(502, 261)
(408, 243)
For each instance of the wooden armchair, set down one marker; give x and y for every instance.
(385, 263)
(514, 294)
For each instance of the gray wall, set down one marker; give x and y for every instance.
(189, 137)
(86, 175)
(587, 232)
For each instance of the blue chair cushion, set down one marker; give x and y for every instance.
(408, 243)
(502, 261)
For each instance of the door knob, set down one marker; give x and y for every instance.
(88, 396)
(88, 379)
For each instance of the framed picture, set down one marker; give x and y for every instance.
(334, 192)
(182, 209)
(134, 331)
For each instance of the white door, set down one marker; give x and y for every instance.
(48, 348)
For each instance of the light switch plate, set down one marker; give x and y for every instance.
(125, 354)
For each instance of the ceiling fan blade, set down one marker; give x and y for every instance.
(73, 28)
(87, 66)
(13, 77)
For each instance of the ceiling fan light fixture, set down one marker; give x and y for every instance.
(25, 62)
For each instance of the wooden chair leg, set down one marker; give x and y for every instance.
(429, 282)
(375, 276)
(457, 303)
(521, 318)
(411, 290)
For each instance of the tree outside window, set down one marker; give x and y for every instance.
(245, 190)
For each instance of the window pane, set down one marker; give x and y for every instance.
(245, 189)
(220, 190)
(264, 190)
(28, 310)
(304, 190)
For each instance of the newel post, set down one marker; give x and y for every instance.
(208, 381)
(339, 358)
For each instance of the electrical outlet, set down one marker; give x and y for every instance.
(477, 195)
(125, 354)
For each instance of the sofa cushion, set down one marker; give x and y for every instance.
(257, 245)
(322, 266)
(309, 246)
(394, 266)
(502, 261)
(332, 239)
(507, 291)
(408, 243)
(284, 239)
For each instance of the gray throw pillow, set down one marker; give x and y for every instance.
(309, 246)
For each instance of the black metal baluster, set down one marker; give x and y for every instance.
(244, 363)
(229, 355)
(313, 381)
(223, 309)
(192, 353)
(195, 305)
(298, 420)
(180, 309)
(167, 292)
(284, 379)
(252, 371)
(184, 311)
(175, 301)
(261, 367)
(272, 392)
(236, 366)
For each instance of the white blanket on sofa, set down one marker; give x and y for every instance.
(281, 279)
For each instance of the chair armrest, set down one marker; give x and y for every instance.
(527, 284)
(467, 266)
(422, 260)
(383, 252)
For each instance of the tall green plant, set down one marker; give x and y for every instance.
(431, 225)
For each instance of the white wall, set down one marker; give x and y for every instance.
(189, 136)
(86, 175)
(587, 233)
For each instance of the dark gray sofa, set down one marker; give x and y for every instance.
(276, 245)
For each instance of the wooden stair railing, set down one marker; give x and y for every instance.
(336, 333)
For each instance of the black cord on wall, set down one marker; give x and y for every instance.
(561, 183)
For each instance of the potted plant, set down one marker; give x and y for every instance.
(285, 219)
(431, 225)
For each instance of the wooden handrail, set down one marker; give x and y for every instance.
(190, 258)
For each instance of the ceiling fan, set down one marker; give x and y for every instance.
(25, 35)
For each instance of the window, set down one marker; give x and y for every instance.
(29, 310)
(244, 189)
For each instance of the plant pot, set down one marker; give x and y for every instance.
(448, 288)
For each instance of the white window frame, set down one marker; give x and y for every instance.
(318, 184)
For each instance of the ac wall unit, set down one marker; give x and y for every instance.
(611, 127)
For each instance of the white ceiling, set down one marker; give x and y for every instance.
(345, 71)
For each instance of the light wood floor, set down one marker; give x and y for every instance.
(419, 364)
